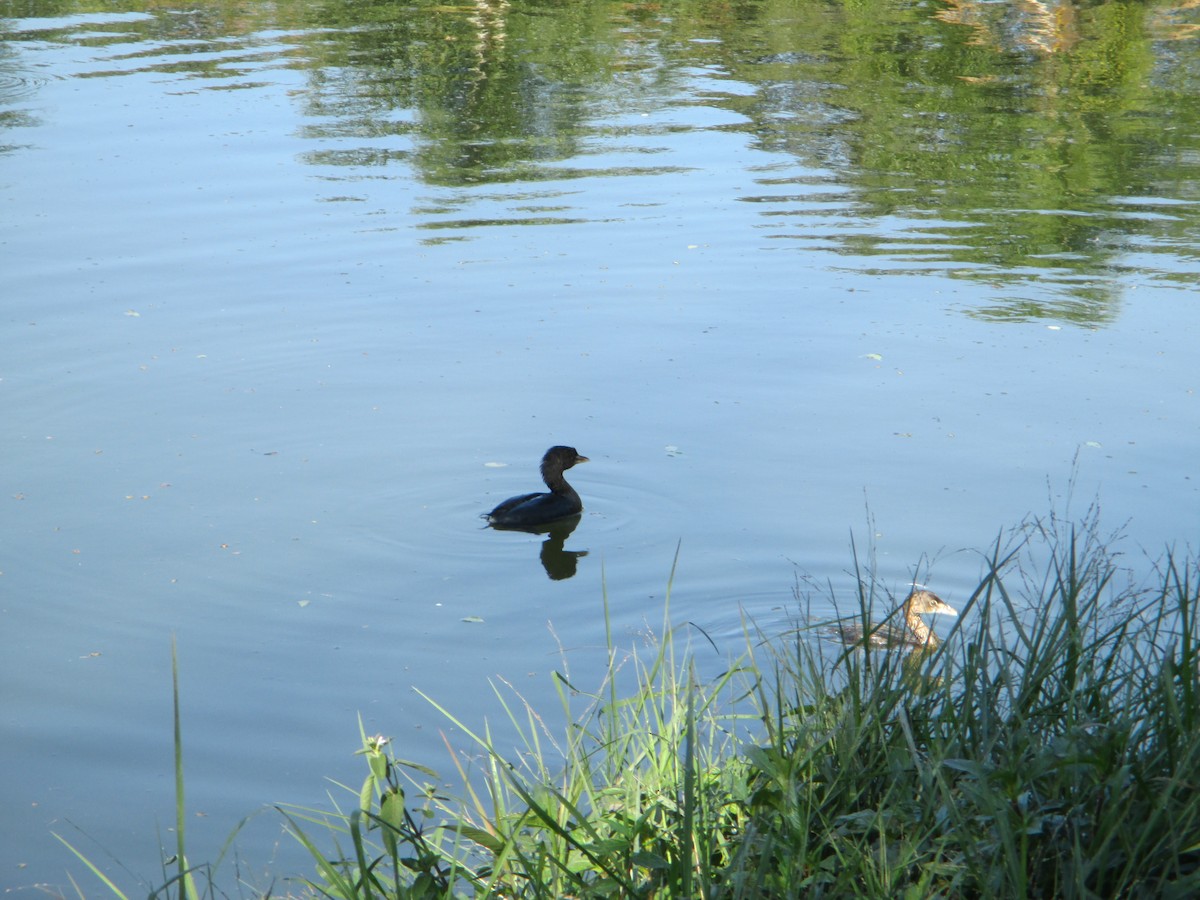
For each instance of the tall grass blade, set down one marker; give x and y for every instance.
(94, 870)
(187, 884)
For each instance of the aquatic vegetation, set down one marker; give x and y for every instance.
(1046, 748)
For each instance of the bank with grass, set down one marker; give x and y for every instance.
(1049, 746)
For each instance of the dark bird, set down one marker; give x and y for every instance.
(530, 510)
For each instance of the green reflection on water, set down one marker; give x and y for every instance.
(1003, 142)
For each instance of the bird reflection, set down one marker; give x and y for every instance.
(558, 562)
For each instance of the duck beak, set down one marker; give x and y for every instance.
(579, 459)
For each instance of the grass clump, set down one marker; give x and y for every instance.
(639, 798)
(1048, 748)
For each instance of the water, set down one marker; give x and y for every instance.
(291, 295)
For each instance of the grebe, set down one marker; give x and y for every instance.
(912, 633)
(529, 510)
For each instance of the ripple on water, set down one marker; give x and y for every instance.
(14, 87)
(624, 498)
(438, 513)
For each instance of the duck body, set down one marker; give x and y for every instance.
(560, 502)
(913, 632)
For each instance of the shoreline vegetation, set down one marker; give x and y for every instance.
(1049, 746)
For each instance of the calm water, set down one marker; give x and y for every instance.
(292, 292)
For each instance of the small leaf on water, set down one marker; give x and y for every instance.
(130, 312)
(472, 619)
(303, 603)
(494, 465)
(874, 356)
(1095, 444)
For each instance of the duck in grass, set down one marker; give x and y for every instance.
(533, 510)
(913, 632)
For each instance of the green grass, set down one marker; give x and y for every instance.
(1049, 747)
(628, 801)
(183, 882)
(1048, 750)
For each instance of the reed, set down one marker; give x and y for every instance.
(1047, 747)
(183, 881)
(634, 799)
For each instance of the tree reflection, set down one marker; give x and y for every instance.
(1039, 143)
(1014, 129)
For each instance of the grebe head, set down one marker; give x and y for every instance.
(558, 459)
(921, 602)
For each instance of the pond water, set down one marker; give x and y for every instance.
(292, 292)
